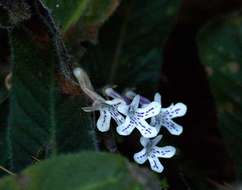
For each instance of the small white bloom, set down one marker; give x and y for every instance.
(108, 110)
(152, 153)
(135, 118)
(167, 114)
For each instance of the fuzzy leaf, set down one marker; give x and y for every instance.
(85, 171)
(220, 51)
(42, 120)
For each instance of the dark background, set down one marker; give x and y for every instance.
(190, 80)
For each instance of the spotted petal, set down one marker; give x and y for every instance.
(115, 102)
(145, 129)
(173, 127)
(155, 164)
(103, 123)
(164, 152)
(126, 128)
(141, 156)
(177, 110)
(118, 118)
(149, 111)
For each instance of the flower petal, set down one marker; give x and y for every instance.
(155, 164)
(141, 156)
(144, 141)
(145, 129)
(164, 152)
(126, 128)
(157, 98)
(103, 123)
(118, 118)
(135, 102)
(150, 110)
(173, 127)
(177, 110)
(115, 102)
(123, 108)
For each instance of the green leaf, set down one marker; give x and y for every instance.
(220, 45)
(42, 120)
(85, 171)
(130, 44)
(90, 12)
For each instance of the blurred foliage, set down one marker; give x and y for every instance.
(132, 57)
(88, 170)
(220, 45)
(88, 12)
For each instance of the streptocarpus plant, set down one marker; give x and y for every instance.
(41, 50)
(135, 117)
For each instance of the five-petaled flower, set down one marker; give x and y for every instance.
(164, 118)
(153, 153)
(135, 118)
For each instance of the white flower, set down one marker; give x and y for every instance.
(167, 114)
(108, 110)
(153, 153)
(135, 118)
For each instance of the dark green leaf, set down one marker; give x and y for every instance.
(85, 171)
(42, 121)
(130, 44)
(220, 50)
(90, 12)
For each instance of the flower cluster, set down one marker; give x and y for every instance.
(134, 112)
